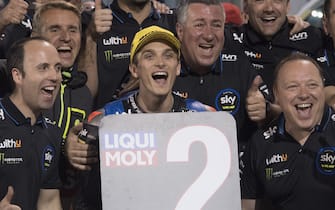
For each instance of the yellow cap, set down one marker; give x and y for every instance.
(150, 34)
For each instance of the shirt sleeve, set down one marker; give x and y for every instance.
(250, 185)
(50, 160)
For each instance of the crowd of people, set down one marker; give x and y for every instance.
(63, 64)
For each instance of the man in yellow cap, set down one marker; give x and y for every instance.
(154, 66)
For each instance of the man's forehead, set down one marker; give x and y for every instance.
(38, 47)
(59, 13)
(196, 10)
(151, 46)
(299, 66)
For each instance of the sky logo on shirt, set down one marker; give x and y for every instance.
(325, 160)
(228, 100)
(270, 132)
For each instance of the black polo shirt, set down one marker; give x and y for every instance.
(266, 54)
(290, 175)
(28, 155)
(327, 61)
(113, 50)
(225, 88)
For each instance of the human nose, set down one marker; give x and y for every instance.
(55, 75)
(65, 35)
(303, 92)
(208, 32)
(268, 5)
(160, 61)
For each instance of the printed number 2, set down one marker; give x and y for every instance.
(217, 167)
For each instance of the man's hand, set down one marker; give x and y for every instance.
(161, 7)
(255, 102)
(80, 155)
(298, 22)
(13, 13)
(102, 18)
(5, 202)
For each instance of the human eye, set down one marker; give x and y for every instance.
(259, 1)
(74, 30)
(148, 55)
(54, 29)
(217, 25)
(43, 67)
(58, 67)
(291, 87)
(199, 24)
(313, 85)
(169, 55)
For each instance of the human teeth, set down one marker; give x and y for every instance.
(269, 18)
(49, 88)
(303, 106)
(159, 75)
(63, 48)
(206, 46)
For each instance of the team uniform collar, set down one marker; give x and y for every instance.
(178, 103)
(280, 37)
(16, 116)
(216, 68)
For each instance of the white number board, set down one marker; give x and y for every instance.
(171, 161)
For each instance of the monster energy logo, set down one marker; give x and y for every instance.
(268, 173)
(109, 55)
(2, 158)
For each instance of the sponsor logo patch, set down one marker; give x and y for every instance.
(229, 57)
(267, 134)
(10, 143)
(4, 160)
(276, 158)
(253, 54)
(325, 160)
(228, 100)
(48, 156)
(115, 41)
(109, 56)
(299, 36)
(270, 174)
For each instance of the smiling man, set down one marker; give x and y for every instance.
(60, 23)
(290, 162)
(30, 143)
(155, 64)
(266, 37)
(209, 73)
